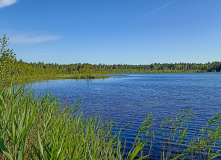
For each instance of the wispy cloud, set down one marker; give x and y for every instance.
(27, 39)
(160, 8)
(5, 3)
(157, 9)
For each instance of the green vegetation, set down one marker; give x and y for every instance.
(34, 128)
(19, 71)
(41, 128)
(32, 78)
(8, 63)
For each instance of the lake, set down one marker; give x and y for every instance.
(128, 98)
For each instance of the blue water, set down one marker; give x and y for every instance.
(128, 98)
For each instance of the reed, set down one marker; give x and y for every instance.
(42, 128)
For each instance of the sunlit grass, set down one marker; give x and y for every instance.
(42, 128)
(32, 78)
(38, 128)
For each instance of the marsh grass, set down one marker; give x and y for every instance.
(39, 128)
(42, 128)
(179, 144)
(36, 77)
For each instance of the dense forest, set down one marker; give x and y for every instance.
(19, 71)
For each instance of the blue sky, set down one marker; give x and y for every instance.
(113, 31)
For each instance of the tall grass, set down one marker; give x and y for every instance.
(42, 128)
(39, 128)
(179, 143)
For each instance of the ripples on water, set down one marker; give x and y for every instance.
(131, 97)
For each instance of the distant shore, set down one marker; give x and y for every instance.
(88, 76)
(53, 77)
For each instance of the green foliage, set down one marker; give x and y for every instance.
(7, 63)
(34, 128)
(41, 128)
(19, 71)
(39, 71)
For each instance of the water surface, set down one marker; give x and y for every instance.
(131, 97)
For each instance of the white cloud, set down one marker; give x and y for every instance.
(5, 3)
(27, 39)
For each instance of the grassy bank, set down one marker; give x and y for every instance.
(42, 128)
(34, 128)
(32, 78)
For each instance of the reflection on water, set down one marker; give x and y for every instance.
(131, 97)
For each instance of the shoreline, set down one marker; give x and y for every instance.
(54, 77)
(22, 79)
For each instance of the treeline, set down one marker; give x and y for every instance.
(13, 70)
(54, 68)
